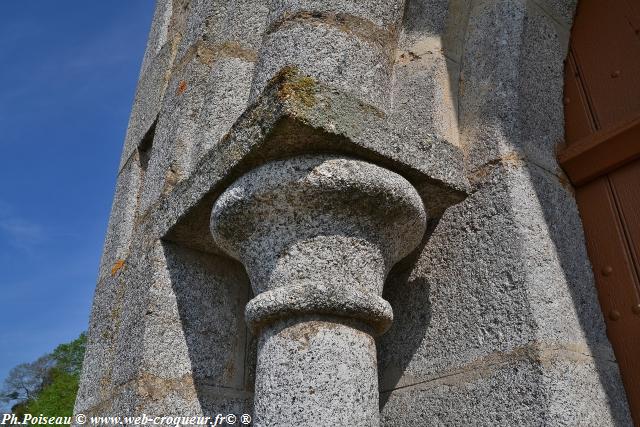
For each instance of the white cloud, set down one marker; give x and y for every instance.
(18, 231)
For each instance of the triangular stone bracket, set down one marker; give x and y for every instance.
(297, 115)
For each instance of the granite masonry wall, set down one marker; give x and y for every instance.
(495, 315)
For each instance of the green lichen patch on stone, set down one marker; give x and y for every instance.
(296, 88)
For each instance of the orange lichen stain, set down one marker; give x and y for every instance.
(117, 266)
(182, 86)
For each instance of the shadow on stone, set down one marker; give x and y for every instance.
(409, 298)
(567, 236)
(211, 293)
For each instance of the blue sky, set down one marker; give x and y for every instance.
(68, 70)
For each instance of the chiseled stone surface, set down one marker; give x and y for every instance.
(103, 325)
(344, 44)
(425, 97)
(427, 70)
(534, 285)
(176, 129)
(383, 13)
(207, 91)
(159, 33)
(275, 218)
(314, 372)
(148, 100)
(318, 235)
(511, 102)
(187, 310)
(330, 55)
(533, 390)
(119, 235)
(201, 19)
(561, 10)
(219, 111)
(456, 103)
(435, 25)
(504, 275)
(169, 319)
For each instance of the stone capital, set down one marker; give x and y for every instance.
(317, 235)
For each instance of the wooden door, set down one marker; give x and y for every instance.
(602, 159)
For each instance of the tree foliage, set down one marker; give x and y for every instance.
(68, 357)
(24, 381)
(49, 385)
(58, 397)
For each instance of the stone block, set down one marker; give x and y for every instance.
(176, 130)
(489, 84)
(201, 20)
(548, 389)
(329, 54)
(511, 100)
(560, 10)
(124, 403)
(122, 218)
(541, 82)
(182, 333)
(505, 268)
(204, 99)
(423, 18)
(183, 318)
(238, 22)
(561, 291)
(154, 397)
(585, 391)
(138, 273)
(148, 100)
(224, 101)
(435, 25)
(456, 29)
(382, 13)
(159, 33)
(183, 399)
(210, 295)
(95, 385)
(245, 23)
(425, 97)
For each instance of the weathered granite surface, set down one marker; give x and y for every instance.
(318, 235)
(496, 320)
(532, 296)
(168, 327)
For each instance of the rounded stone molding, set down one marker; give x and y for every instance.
(318, 234)
(298, 300)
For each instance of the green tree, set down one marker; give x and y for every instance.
(57, 398)
(68, 357)
(24, 380)
(49, 385)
